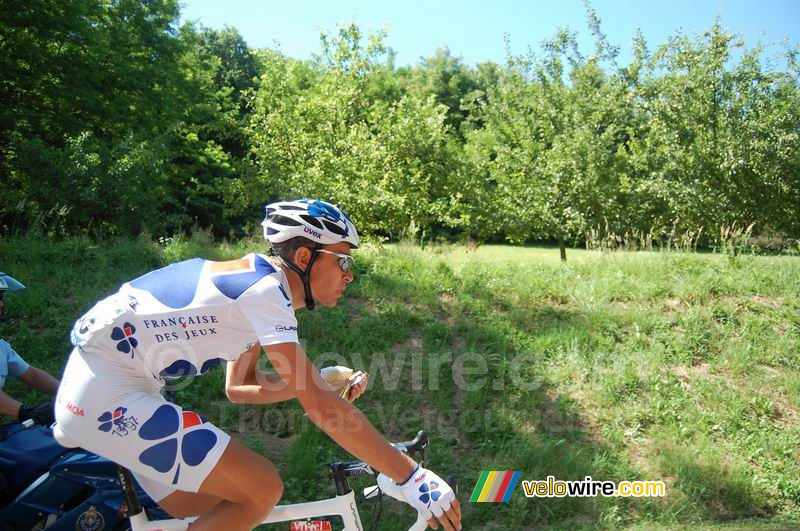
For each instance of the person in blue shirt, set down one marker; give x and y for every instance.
(13, 366)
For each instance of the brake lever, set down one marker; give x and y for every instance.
(390, 488)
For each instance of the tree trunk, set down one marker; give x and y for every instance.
(563, 248)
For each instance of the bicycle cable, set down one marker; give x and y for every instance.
(377, 511)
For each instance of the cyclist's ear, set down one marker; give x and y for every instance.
(302, 256)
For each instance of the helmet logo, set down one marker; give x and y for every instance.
(312, 232)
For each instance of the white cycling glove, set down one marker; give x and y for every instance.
(427, 493)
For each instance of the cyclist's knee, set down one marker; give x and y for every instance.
(245, 478)
(259, 488)
(260, 499)
(266, 487)
(277, 489)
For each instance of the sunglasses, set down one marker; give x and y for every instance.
(346, 262)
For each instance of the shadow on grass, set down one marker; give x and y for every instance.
(530, 426)
(508, 415)
(719, 489)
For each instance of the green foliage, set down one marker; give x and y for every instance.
(78, 123)
(116, 121)
(388, 165)
(450, 81)
(653, 146)
(719, 139)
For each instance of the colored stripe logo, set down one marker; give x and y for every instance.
(494, 486)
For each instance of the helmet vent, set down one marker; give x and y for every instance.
(336, 229)
(283, 220)
(312, 220)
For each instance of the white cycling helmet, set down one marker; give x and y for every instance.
(9, 284)
(315, 220)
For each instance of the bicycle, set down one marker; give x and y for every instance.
(342, 505)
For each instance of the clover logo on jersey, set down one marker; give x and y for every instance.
(181, 441)
(118, 421)
(429, 493)
(124, 336)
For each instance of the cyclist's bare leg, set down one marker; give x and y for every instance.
(181, 504)
(248, 486)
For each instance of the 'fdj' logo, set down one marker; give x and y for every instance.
(125, 337)
(318, 209)
(181, 440)
(117, 423)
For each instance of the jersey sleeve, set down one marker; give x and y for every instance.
(16, 365)
(267, 308)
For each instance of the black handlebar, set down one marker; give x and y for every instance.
(418, 444)
(341, 470)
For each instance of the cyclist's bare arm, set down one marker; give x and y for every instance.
(335, 416)
(245, 383)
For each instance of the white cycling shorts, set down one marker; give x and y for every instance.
(112, 410)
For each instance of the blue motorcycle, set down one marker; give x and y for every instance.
(46, 486)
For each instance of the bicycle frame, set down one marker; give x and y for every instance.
(342, 505)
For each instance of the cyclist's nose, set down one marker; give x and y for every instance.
(348, 277)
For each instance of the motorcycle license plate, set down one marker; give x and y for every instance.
(310, 525)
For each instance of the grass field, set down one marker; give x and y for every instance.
(620, 366)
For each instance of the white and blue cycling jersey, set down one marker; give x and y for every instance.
(187, 317)
(179, 320)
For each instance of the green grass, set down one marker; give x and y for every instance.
(654, 366)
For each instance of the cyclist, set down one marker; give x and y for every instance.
(185, 318)
(13, 366)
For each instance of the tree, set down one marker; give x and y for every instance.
(721, 144)
(387, 164)
(551, 145)
(448, 80)
(89, 88)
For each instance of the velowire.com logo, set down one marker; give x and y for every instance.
(494, 486)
